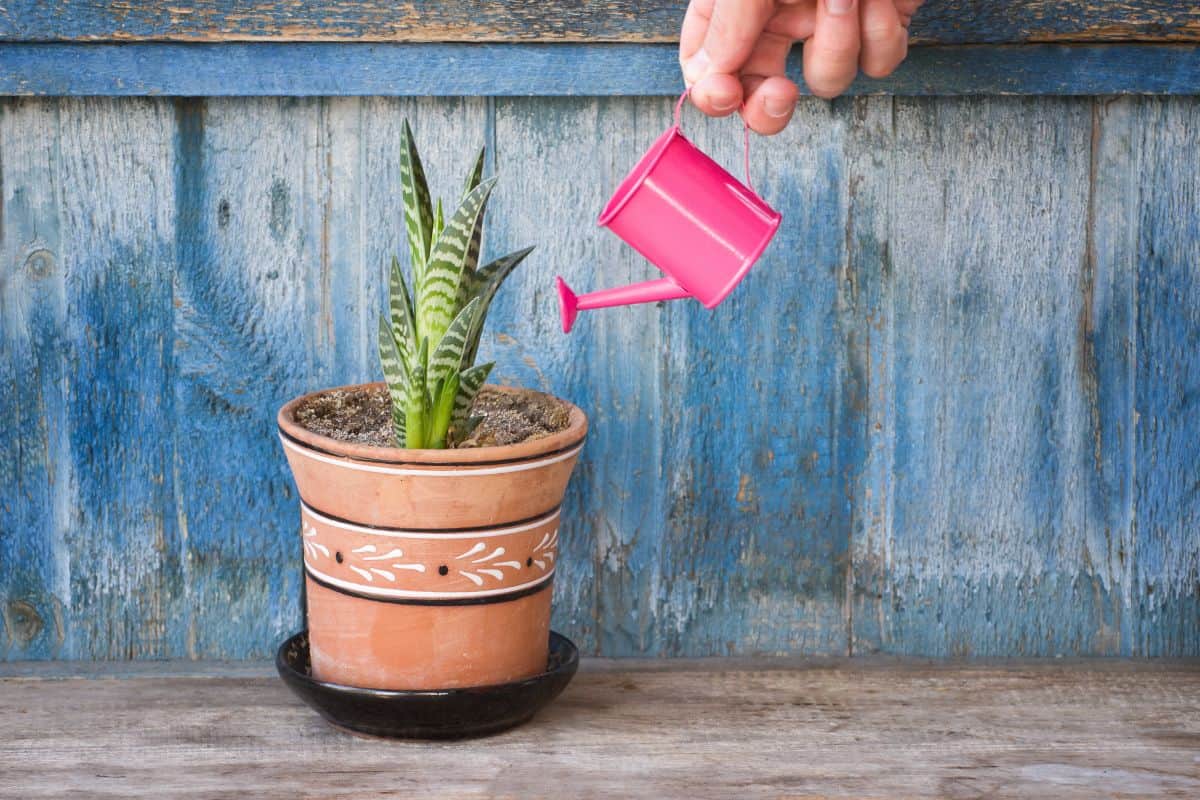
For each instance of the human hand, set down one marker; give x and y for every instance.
(735, 51)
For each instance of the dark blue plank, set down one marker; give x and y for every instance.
(35, 475)
(765, 418)
(989, 515)
(93, 514)
(940, 21)
(1165, 138)
(553, 69)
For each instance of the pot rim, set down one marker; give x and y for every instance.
(563, 440)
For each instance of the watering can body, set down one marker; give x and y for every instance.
(690, 218)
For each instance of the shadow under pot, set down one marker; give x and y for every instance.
(429, 569)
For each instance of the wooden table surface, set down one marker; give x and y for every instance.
(817, 729)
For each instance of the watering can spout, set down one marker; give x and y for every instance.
(645, 292)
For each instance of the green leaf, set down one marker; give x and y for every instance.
(417, 403)
(395, 374)
(394, 370)
(404, 327)
(418, 212)
(437, 298)
(484, 285)
(443, 409)
(447, 357)
(472, 258)
(476, 173)
(398, 427)
(470, 382)
(439, 224)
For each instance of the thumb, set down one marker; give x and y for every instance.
(732, 31)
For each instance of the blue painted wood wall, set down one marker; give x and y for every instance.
(954, 411)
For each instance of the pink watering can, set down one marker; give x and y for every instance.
(690, 218)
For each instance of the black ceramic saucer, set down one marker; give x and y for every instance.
(444, 714)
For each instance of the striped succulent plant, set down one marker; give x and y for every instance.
(429, 338)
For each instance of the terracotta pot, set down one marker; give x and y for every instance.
(429, 569)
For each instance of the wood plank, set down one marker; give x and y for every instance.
(1166, 338)
(92, 227)
(35, 515)
(253, 326)
(994, 483)
(944, 22)
(765, 419)
(840, 730)
(389, 69)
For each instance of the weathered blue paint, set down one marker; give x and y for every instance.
(1166, 342)
(319, 69)
(34, 450)
(951, 412)
(991, 396)
(945, 22)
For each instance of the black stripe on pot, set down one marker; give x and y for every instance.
(424, 464)
(472, 529)
(438, 601)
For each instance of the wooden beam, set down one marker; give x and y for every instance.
(317, 69)
(945, 22)
(819, 729)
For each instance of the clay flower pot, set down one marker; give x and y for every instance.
(429, 569)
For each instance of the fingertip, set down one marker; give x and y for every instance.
(879, 61)
(827, 85)
(826, 76)
(717, 95)
(770, 105)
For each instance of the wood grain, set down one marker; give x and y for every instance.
(939, 22)
(818, 730)
(1032, 503)
(1167, 394)
(951, 413)
(315, 69)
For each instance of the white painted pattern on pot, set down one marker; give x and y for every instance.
(489, 566)
(432, 471)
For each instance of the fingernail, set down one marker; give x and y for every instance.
(839, 7)
(777, 107)
(723, 102)
(696, 66)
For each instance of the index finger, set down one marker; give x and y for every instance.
(733, 28)
(695, 27)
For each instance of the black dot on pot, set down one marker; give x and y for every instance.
(443, 570)
(529, 561)
(338, 556)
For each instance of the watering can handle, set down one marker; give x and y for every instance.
(745, 135)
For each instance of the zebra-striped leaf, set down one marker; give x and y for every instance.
(484, 285)
(404, 327)
(471, 259)
(418, 211)
(470, 382)
(443, 408)
(416, 409)
(398, 428)
(439, 222)
(437, 298)
(395, 374)
(394, 370)
(476, 173)
(447, 356)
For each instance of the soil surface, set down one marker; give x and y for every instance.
(365, 416)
